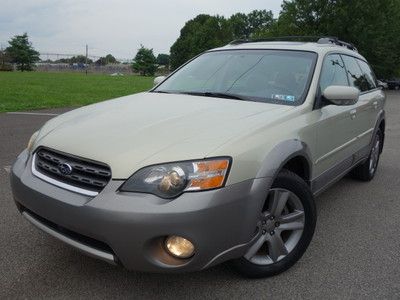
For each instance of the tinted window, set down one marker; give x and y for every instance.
(368, 73)
(273, 76)
(355, 75)
(333, 72)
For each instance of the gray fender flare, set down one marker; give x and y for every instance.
(381, 117)
(276, 159)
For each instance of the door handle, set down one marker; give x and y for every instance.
(353, 114)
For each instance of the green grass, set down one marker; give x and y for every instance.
(37, 90)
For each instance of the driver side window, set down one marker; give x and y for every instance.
(333, 72)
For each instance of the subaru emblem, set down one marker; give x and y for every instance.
(65, 169)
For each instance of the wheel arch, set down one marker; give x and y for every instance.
(293, 155)
(382, 127)
(380, 124)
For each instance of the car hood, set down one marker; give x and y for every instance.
(150, 128)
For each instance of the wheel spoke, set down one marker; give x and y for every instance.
(373, 162)
(279, 199)
(294, 216)
(276, 247)
(298, 225)
(255, 247)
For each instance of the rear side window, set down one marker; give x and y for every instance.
(356, 76)
(333, 72)
(368, 73)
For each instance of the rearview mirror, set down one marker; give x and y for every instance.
(341, 95)
(158, 80)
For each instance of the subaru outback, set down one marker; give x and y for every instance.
(220, 161)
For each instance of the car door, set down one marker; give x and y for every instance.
(335, 126)
(367, 107)
(374, 100)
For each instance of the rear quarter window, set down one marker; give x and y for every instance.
(368, 73)
(355, 74)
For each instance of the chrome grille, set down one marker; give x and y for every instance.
(84, 174)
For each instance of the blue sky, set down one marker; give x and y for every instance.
(114, 26)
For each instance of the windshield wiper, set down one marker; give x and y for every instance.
(215, 94)
(205, 94)
(224, 95)
(162, 92)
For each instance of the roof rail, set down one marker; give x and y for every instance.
(315, 39)
(277, 38)
(336, 41)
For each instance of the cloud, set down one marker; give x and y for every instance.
(117, 27)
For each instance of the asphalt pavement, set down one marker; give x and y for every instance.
(355, 252)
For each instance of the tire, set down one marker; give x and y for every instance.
(262, 263)
(367, 170)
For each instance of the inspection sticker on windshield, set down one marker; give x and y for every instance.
(287, 98)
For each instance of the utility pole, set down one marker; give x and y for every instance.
(2, 54)
(86, 63)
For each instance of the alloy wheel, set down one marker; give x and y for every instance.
(374, 157)
(280, 227)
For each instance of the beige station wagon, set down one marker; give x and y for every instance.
(221, 161)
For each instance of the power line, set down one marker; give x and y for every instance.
(94, 57)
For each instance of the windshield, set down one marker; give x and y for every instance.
(272, 76)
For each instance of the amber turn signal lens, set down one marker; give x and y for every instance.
(208, 174)
(32, 140)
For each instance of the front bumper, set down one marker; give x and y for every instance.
(129, 228)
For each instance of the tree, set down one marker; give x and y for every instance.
(205, 32)
(240, 26)
(198, 35)
(5, 64)
(101, 61)
(372, 25)
(22, 53)
(111, 59)
(163, 59)
(145, 62)
(80, 59)
(108, 59)
(260, 20)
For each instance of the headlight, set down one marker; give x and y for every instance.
(171, 180)
(32, 141)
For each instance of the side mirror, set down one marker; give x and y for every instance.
(158, 80)
(341, 95)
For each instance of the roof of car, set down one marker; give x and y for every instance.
(320, 48)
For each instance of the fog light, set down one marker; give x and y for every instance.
(179, 247)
